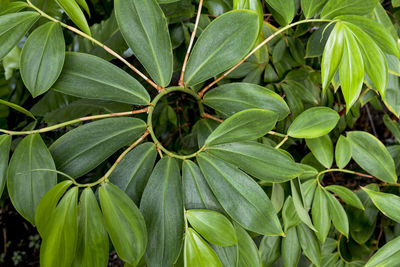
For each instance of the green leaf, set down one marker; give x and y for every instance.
(388, 255)
(162, 209)
(13, 27)
(198, 252)
(314, 122)
(388, 204)
(42, 58)
(213, 226)
(144, 27)
(5, 146)
(289, 214)
(312, 7)
(334, 8)
(322, 149)
(248, 252)
(320, 214)
(75, 13)
(101, 80)
(338, 215)
(84, 148)
(25, 185)
(47, 205)
(309, 243)
(343, 152)
(277, 196)
(13, 7)
(93, 241)
(239, 194)
(299, 205)
(124, 223)
(234, 97)
(270, 250)
(291, 249)
(227, 255)
(246, 125)
(254, 5)
(204, 128)
(217, 49)
(346, 195)
(285, 8)
(17, 108)
(372, 156)
(60, 240)
(261, 161)
(132, 173)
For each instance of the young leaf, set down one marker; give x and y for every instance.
(346, 195)
(234, 97)
(343, 152)
(60, 240)
(372, 156)
(13, 27)
(221, 45)
(309, 243)
(213, 226)
(320, 214)
(334, 8)
(197, 252)
(248, 253)
(388, 204)
(312, 7)
(246, 125)
(124, 223)
(75, 13)
(162, 209)
(291, 249)
(42, 58)
(322, 149)
(84, 148)
(132, 173)
(26, 186)
(270, 250)
(239, 194)
(388, 255)
(313, 123)
(5, 146)
(285, 8)
(338, 215)
(261, 161)
(144, 27)
(101, 80)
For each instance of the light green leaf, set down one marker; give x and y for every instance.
(334, 8)
(26, 187)
(388, 204)
(346, 195)
(213, 226)
(270, 250)
(289, 214)
(42, 58)
(372, 156)
(84, 148)
(5, 146)
(314, 122)
(343, 152)
(291, 249)
(309, 243)
(144, 27)
(13, 27)
(241, 197)
(320, 214)
(101, 80)
(254, 5)
(322, 149)
(388, 255)
(261, 161)
(13, 7)
(18, 108)
(338, 215)
(73, 11)
(217, 49)
(312, 7)
(246, 125)
(285, 8)
(162, 209)
(124, 223)
(248, 252)
(234, 97)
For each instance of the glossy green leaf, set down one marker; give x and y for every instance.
(338, 215)
(60, 240)
(289, 214)
(261, 161)
(285, 8)
(213, 226)
(322, 149)
(254, 5)
(198, 252)
(388, 255)
(101, 80)
(162, 209)
(387, 203)
(246, 125)
(26, 186)
(144, 27)
(309, 243)
(13, 27)
(13, 7)
(132, 173)
(270, 250)
(312, 7)
(313, 123)
(320, 214)
(5, 146)
(372, 156)
(93, 241)
(346, 195)
(234, 97)
(84, 148)
(291, 249)
(343, 152)
(217, 49)
(73, 11)
(42, 58)
(334, 8)
(241, 197)
(124, 223)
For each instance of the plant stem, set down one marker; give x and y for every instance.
(258, 47)
(190, 43)
(206, 115)
(109, 50)
(277, 134)
(282, 142)
(60, 125)
(345, 171)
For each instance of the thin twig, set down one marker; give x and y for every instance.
(371, 121)
(206, 115)
(282, 142)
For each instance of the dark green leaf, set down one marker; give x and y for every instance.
(309, 243)
(336, 8)
(5, 145)
(248, 252)
(289, 214)
(312, 7)
(338, 215)
(343, 152)
(320, 214)
(388, 255)
(291, 249)
(13, 7)
(285, 8)
(299, 204)
(388, 204)
(18, 108)
(322, 149)
(270, 250)
(346, 195)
